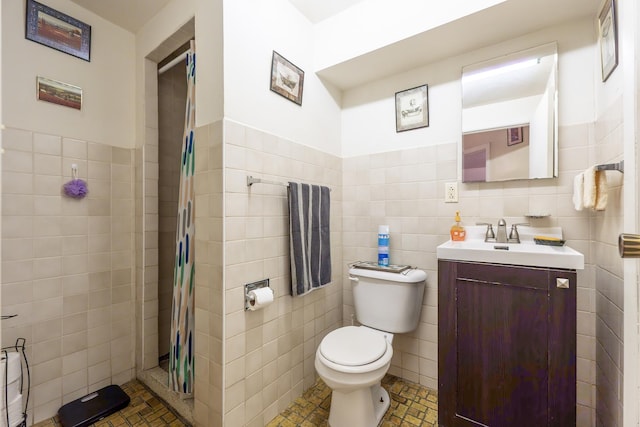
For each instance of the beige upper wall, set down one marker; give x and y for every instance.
(368, 111)
(107, 80)
(234, 64)
(253, 30)
(208, 36)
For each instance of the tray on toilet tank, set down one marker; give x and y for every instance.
(371, 265)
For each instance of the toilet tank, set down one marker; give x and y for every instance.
(387, 301)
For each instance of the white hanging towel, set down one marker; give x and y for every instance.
(578, 192)
(589, 190)
(595, 193)
(601, 191)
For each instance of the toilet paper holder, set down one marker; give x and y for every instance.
(252, 287)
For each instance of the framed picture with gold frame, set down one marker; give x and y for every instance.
(60, 93)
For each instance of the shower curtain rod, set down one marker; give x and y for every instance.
(173, 62)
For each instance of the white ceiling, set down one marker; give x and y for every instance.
(507, 20)
(133, 14)
(128, 14)
(318, 10)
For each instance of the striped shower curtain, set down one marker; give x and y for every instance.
(182, 308)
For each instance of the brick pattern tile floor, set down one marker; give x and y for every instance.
(144, 410)
(411, 405)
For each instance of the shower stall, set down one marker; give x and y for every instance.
(165, 217)
(172, 98)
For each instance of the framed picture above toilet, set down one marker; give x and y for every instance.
(412, 108)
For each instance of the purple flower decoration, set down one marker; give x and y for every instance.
(76, 188)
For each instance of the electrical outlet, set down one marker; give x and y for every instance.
(451, 192)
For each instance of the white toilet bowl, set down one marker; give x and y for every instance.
(352, 361)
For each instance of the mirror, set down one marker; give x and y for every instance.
(509, 117)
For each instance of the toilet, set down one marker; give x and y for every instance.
(352, 360)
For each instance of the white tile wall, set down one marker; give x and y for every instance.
(608, 281)
(405, 189)
(269, 354)
(209, 295)
(66, 265)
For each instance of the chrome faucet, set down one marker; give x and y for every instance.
(489, 236)
(500, 236)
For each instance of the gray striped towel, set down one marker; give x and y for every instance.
(309, 237)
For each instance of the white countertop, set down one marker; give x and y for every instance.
(527, 253)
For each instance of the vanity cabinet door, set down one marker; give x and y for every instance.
(506, 345)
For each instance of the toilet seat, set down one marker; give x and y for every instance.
(353, 346)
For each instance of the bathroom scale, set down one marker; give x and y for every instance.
(93, 407)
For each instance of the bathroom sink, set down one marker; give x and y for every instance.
(528, 253)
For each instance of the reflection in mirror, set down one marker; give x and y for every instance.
(509, 125)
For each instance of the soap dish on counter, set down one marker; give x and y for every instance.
(537, 215)
(548, 241)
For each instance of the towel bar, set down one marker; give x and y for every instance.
(251, 180)
(612, 167)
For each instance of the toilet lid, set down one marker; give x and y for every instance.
(353, 346)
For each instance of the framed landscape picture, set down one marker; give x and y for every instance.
(56, 30)
(56, 92)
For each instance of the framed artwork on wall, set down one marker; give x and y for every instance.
(56, 30)
(514, 136)
(286, 79)
(608, 39)
(56, 92)
(412, 108)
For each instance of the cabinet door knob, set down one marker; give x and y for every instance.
(562, 283)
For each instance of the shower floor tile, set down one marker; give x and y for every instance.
(411, 405)
(145, 409)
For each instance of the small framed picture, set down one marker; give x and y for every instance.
(514, 136)
(412, 108)
(286, 79)
(56, 30)
(58, 93)
(608, 39)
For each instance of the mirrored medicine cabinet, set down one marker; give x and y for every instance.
(509, 117)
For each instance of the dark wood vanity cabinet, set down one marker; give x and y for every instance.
(506, 345)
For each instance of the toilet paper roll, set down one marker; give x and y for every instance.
(259, 298)
(12, 369)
